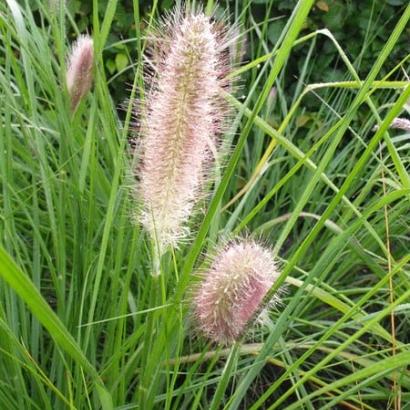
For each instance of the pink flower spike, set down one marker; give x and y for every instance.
(183, 116)
(401, 123)
(233, 290)
(80, 69)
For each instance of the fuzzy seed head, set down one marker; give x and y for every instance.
(80, 69)
(233, 290)
(401, 123)
(181, 122)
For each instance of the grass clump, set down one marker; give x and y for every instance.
(85, 324)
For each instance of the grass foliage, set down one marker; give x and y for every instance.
(83, 323)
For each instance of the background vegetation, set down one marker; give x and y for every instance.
(363, 25)
(82, 322)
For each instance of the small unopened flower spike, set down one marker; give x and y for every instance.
(233, 289)
(80, 69)
(183, 116)
(399, 123)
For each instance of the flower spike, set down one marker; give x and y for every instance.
(233, 290)
(183, 116)
(80, 69)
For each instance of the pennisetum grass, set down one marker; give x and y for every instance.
(233, 289)
(80, 69)
(181, 121)
(84, 324)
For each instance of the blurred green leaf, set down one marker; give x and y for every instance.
(275, 29)
(121, 61)
(396, 2)
(302, 120)
(111, 66)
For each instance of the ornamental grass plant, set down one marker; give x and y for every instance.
(135, 261)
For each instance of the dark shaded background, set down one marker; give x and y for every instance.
(361, 26)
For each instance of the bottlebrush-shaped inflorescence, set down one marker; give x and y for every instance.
(80, 69)
(401, 123)
(233, 289)
(183, 116)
